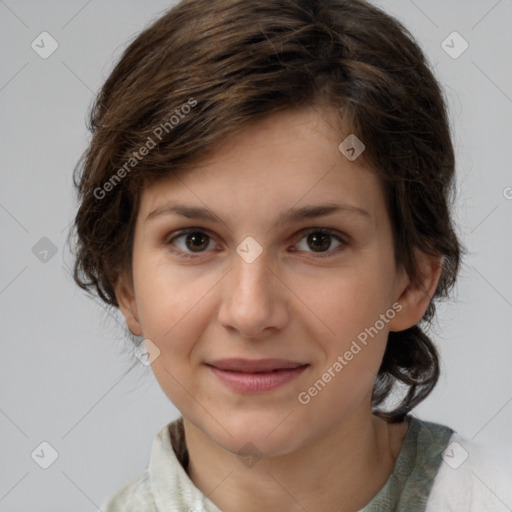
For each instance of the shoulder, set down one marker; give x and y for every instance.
(134, 496)
(472, 477)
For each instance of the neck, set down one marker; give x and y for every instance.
(343, 470)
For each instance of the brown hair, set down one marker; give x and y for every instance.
(205, 68)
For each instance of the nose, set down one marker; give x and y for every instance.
(255, 300)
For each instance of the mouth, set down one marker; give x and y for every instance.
(253, 376)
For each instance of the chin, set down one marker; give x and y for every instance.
(264, 434)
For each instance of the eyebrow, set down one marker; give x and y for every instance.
(292, 215)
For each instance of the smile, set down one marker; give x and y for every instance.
(254, 376)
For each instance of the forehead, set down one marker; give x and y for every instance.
(288, 159)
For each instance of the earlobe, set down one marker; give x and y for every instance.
(128, 305)
(416, 295)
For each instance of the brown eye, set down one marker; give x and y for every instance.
(189, 242)
(197, 241)
(320, 241)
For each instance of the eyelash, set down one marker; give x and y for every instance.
(343, 241)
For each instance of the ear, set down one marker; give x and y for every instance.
(415, 297)
(127, 304)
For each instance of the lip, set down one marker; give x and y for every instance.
(254, 365)
(253, 376)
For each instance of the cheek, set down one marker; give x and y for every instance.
(175, 308)
(350, 304)
(172, 303)
(347, 301)
(352, 308)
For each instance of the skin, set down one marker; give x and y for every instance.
(292, 302)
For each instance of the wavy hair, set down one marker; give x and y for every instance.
(240, 61)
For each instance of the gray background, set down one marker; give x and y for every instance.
(62, 370)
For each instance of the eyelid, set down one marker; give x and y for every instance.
(341, 237)
(334, 232)
(182, 232)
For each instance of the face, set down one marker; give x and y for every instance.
(251, 303)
